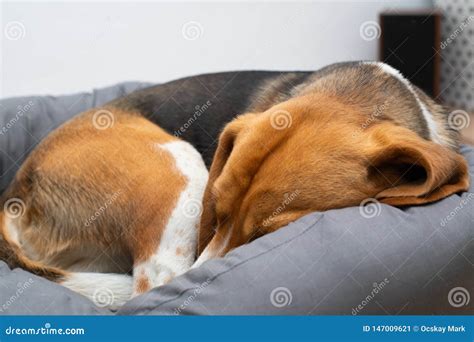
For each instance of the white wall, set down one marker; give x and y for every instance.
(68, 47)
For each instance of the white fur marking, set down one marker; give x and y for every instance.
(11, 230)
(205, 256)
(181, 230)
(212, 252)
(104, 289)
(432, 126)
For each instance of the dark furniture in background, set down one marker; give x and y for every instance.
(410, 42)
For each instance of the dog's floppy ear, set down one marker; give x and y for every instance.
(243, 144)
(236, 129)
(223, 151)
(413, 170)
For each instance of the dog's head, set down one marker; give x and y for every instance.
(312, 154)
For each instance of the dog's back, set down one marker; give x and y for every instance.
(197, 108)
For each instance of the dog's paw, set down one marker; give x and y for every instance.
(147, 278)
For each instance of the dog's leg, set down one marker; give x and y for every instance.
(177, 247)
(174, 255)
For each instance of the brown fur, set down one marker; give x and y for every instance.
(335, 154)
(143, 284)
(79, 169)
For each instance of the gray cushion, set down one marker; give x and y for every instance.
(22, 293)
(337, 262)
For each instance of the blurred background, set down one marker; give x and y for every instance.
(61, 47)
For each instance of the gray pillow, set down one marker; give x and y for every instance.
(22, 293)
(372, 260)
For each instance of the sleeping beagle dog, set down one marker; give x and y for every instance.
(331, 139)
(306, 141)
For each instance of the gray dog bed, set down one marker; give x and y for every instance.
(375, 259)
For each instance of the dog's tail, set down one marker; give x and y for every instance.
(11, 253)
(104, 289)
